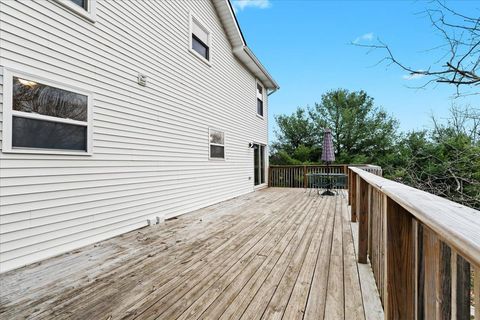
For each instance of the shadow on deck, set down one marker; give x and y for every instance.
(275, 253)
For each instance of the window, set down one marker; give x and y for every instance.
(41, 117)
(199, 39)
(259, 99)
(83, 8)
(81, 3)
(217, 144)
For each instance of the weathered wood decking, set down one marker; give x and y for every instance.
(276, 253)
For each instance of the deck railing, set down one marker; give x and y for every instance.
(291, 176)
(424, 250)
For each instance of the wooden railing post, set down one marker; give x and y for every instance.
(400, 276)
(353, 191)
(269, 176)
(305, 180)
(349, 187)
(362, 212)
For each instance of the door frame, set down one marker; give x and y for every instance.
(265, 171)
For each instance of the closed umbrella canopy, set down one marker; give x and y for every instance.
(327, 152)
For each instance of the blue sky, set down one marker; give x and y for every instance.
(305, 44)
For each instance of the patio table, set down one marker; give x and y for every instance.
(326, 181)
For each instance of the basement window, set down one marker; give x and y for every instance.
(43, 117)
(216, 144)
(199, 39)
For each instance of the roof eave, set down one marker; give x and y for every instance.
(240, 48)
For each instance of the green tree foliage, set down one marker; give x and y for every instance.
(297, 140)
(445, 160)
(361, 131)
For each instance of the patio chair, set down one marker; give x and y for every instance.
(340, 182)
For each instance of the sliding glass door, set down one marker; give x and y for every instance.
(259, 163)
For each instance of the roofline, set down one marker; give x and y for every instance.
(236, 21)
(261, 67)
(240, 49)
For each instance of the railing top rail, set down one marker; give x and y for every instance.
(322, 165)
(456, 224)
(305, 165)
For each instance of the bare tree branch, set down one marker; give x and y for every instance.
(459, 66)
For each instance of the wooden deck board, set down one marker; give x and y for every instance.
(273, 254)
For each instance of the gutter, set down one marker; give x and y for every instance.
(246, 55)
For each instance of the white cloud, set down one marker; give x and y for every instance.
(242, 4)
(413, 76)
(365, 37)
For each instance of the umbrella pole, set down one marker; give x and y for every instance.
(328, 192)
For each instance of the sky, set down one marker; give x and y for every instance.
(306, 46)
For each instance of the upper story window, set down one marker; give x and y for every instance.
(199, 39)
(81, 3)
(42, 117)
(217, 144)
(84, 8)
(259, 99)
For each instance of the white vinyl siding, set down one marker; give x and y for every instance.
(150, 155)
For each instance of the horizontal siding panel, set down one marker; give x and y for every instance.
(13, 245)
(150, 143)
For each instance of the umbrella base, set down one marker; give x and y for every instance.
(328, 193)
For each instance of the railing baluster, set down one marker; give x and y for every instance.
(463, 288)
(453, 288)
(476, 292)
(362, 211)
(399, 268)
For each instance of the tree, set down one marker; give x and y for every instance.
(459, 60)
(362, 132)
(296, 139)
(445, 160)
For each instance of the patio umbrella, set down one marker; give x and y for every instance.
(328, 156)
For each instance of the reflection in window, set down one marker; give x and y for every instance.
(47, 117)
(81, 3)
(217, 144)
(34, 97)
(200, 47)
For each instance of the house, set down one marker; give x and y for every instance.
(120, 113)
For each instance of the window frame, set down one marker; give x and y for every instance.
(210, 129)
(9, 113)
(193, 17)
(262, 98)
(89, 13)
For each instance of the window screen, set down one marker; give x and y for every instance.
(33, 133)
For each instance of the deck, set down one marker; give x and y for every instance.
(276, 253)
